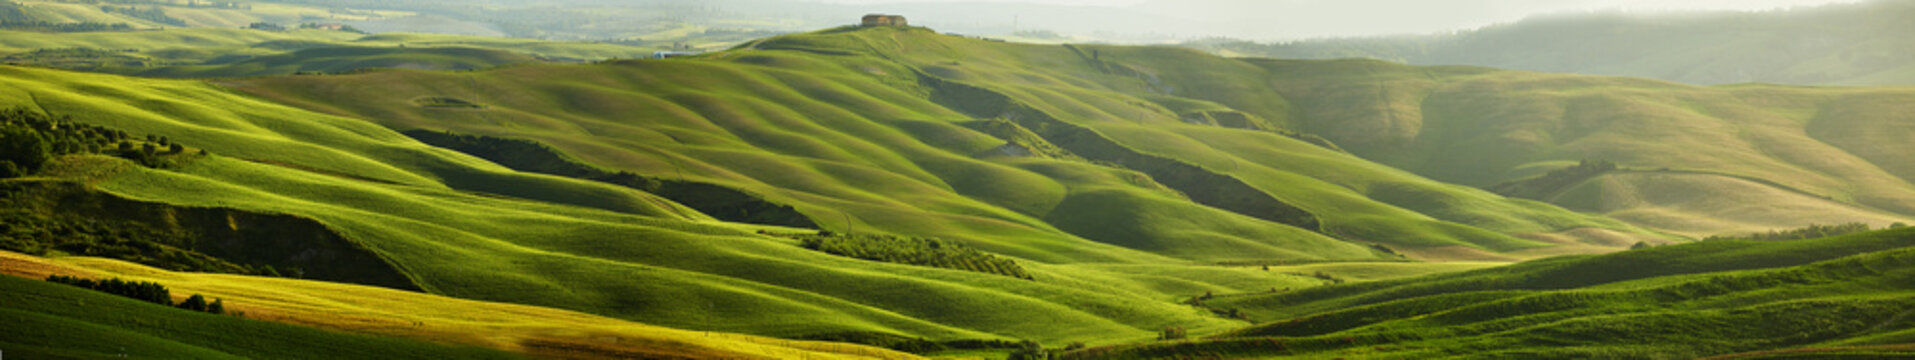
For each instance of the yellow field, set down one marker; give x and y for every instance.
(536, 331)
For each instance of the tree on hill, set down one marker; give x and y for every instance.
(25, 149)
(194, 303)
(1172, 333)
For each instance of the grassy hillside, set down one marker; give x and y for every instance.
(357, 322)
(1847, 294)
(1839, 44)
(911, 132)
(463, 227)
(1093, 190)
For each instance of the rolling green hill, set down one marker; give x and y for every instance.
(1689, 300)
(915, 133)
(460, 226)
(1085, 190)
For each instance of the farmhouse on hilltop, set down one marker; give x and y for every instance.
(884, 20)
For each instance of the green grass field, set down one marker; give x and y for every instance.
(1846, 294)
(356, 322)
(50, 320)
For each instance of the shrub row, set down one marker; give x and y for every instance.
(912, 251)
(143, 291)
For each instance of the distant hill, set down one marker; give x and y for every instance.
(227, 52)
(1842, 44)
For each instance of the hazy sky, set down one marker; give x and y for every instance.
(1292, 19)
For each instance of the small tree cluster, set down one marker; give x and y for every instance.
(155, 14)
(1808, 232)
(1029, 350)
(913, 251)
(1172, 333)
(143, 291)
(29, 139)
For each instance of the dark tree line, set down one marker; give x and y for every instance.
(1808, 232)
(143, 291)
(153, 13)
(913, 251)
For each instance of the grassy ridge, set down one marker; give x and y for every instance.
(837, 122)
(577, 249)
(1687, 300)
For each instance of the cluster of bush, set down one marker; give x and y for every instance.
(266, 26)
(153, 13)
(1554, 180)
(345, 28)
(86, 59)
(143, 291)
(44, 26)
(1808, 232)
(1021, 349)
(29, 139)
(913, 251)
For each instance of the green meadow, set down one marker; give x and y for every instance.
(1817, 297)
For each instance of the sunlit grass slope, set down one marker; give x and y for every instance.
(439, 216)
(64, 320)
(838, 144)
(849, 126)
(50, 320)
(1680, 301)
